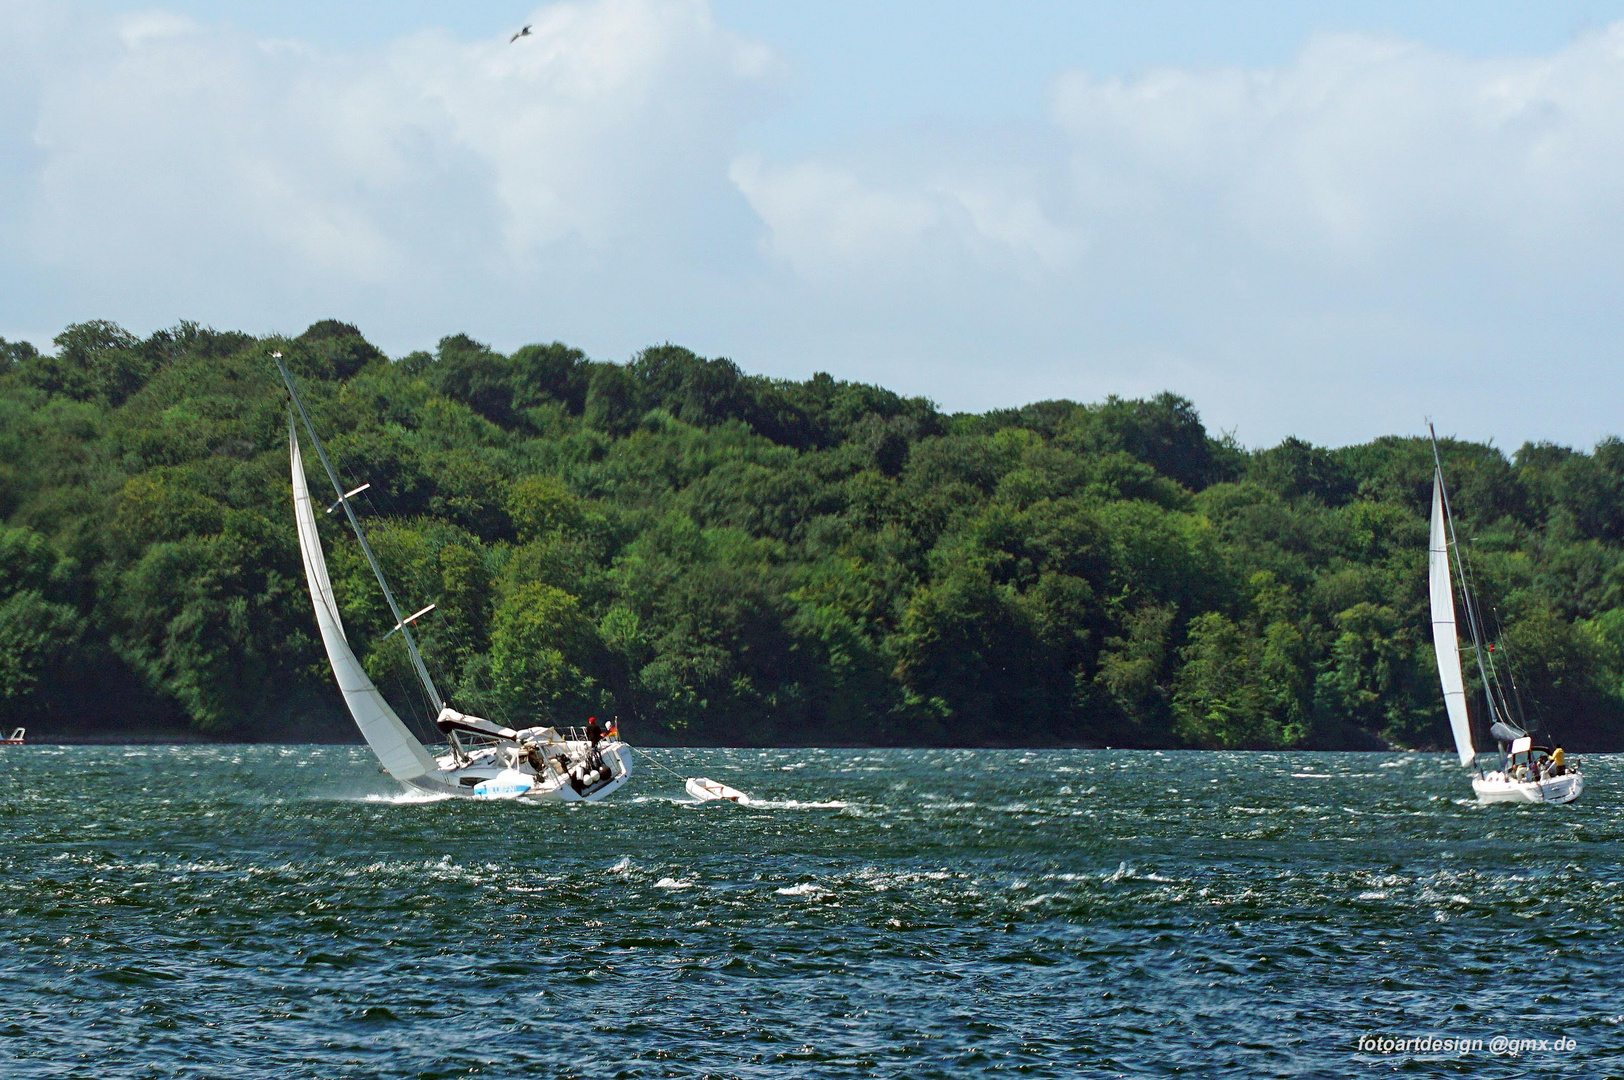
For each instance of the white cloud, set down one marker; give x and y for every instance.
(1372, 231)
(194, 159)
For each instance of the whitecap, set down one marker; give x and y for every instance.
(673, 883)
(408, 798)
(796, 804)
(806, 888)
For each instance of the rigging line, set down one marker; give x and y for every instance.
(360, 534)
(379, 501)
(1494, 669)
(1482, 646)
(425, 731)
(657, 764)
(1480, 634)
(1511, 666)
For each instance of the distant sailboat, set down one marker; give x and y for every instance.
(481, 759)
(1526, 773)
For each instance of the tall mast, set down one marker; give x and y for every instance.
(1472, 623)
(372, 560)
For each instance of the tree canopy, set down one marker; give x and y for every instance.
(722, 557)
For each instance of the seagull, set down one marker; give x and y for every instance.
(522, 33)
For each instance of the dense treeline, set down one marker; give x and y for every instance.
(722, 557)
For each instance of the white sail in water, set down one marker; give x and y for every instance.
(1445, 640)
(402, 755)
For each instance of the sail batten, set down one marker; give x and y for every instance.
(402, 755)
(1445, 635)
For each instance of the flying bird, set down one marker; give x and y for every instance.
(522, 33)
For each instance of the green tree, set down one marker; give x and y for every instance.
(1237, 692)
(541, 648)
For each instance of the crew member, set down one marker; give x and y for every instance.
(1558, 764)
(595, 732)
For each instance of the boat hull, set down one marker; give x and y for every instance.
(704, 789)
(1497, 788)
(498, 783)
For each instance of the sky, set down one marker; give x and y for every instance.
(1317, 219)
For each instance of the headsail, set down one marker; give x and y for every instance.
(397, 748)
(1445, 640)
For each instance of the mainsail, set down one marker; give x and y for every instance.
(402, 755)
(1445, 640)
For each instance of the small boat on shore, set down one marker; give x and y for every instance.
(1525, 772)
(16, 738)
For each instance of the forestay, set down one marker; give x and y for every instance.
(402, 755)
(1445, 639)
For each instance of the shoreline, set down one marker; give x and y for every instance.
(203, 740)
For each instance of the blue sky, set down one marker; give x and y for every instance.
(1319, 219)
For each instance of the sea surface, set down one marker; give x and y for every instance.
(207, 911)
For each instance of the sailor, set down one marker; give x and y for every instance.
(595, 731)
(1558, 765)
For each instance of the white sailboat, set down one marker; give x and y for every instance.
(1525, 772)
(481, 759)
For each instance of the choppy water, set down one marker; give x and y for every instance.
(278, 911)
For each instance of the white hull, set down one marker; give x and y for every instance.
(704, 789)
(1496, 787)
(491, 775)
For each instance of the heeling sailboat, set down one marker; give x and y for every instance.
(1526, 773)
(481, 759)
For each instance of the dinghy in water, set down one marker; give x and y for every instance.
(481, 759)
(1526, 773)
(705, 789)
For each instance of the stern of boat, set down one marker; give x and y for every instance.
(1496, 787)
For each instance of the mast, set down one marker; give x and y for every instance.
(1472, 622)
(355, 524)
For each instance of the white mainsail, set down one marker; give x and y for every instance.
(397, 748)
(1445, 640)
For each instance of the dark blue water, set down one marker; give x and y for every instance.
(278, 911)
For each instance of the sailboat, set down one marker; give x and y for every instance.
(481, 759)
(1525, 772)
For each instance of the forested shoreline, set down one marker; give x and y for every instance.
(724, 558)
